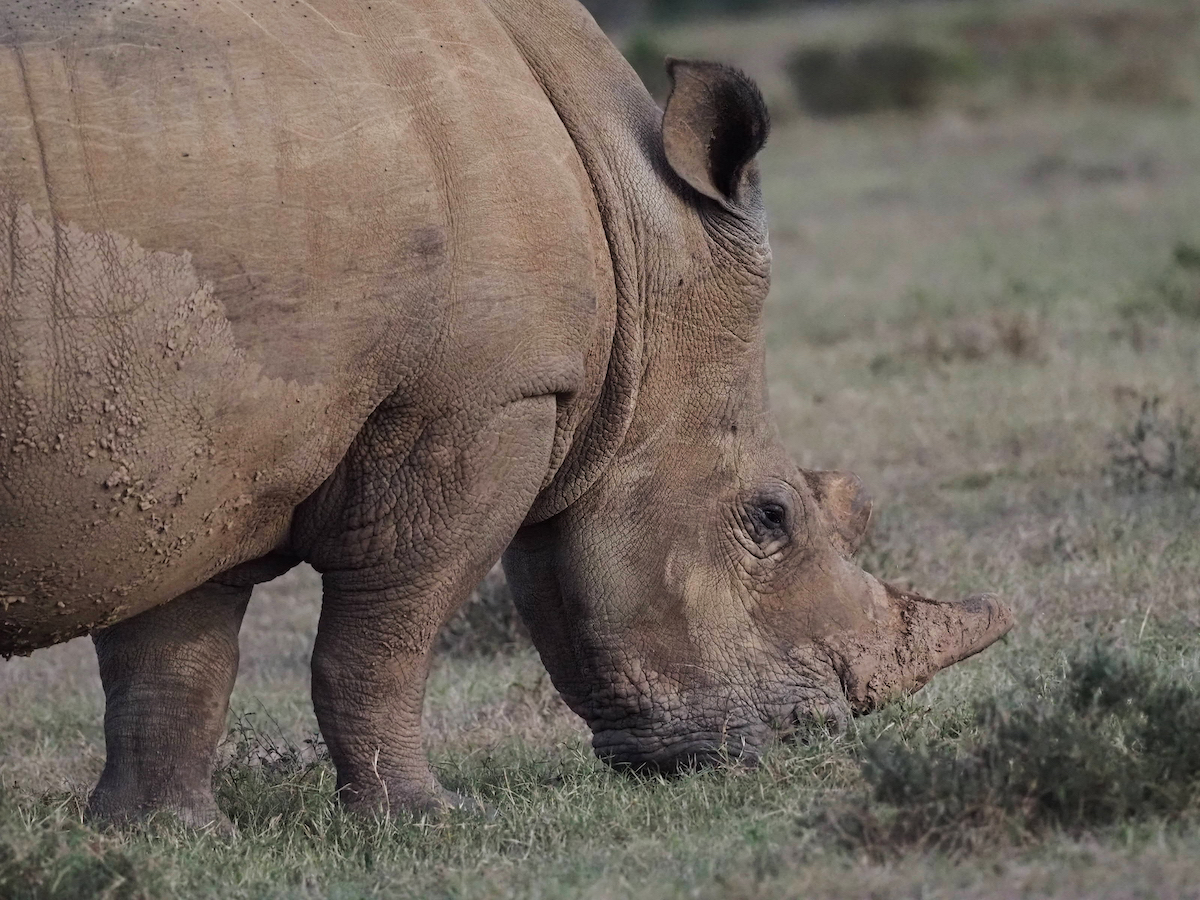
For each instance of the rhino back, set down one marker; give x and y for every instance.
(229, 231)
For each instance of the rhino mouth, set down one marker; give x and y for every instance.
(677, 756)
(742, 746)
(794, 713)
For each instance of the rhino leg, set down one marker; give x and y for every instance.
(167, 676)
(416, 514)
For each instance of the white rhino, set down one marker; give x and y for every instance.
(388, 287)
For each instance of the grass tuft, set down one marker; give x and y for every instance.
(72, 863)
(271, 784)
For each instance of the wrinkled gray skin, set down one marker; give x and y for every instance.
(388, 288)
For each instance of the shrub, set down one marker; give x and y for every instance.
(616, 14)
(675, 10)
(1187, 256)
(648, 58)
(1137, 54)
(1180, 287)
(487, 623)
(1175, 292)
(1116, 740)
(879, 75)
(1160, 450)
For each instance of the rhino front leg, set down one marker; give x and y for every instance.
(416, 514)
(167, 676)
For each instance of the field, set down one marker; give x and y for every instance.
(989, 310)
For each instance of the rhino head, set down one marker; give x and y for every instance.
(699, 596)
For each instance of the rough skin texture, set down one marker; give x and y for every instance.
(388, 288)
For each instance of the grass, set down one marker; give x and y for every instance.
(969, 311)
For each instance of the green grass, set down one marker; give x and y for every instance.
(975, 310)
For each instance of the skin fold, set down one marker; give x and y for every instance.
(389, 288)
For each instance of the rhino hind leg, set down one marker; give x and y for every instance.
(167, 676)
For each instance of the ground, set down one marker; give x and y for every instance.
(988, 310)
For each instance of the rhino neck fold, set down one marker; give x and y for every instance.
(615, 128)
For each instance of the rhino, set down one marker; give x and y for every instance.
(396, 288)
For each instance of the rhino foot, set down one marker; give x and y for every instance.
(122, 808)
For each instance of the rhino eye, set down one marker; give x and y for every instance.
(772, 516)
(769, 519)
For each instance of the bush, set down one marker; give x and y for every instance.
(616, 14)
(880, 75)
(1116, 740)
(1176, 292)
(676, 10)
(1160, 450)
(1136, 54)
(1131, 55)
(1180, 287)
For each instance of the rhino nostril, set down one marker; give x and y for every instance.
(808, 719)
(986, 616)
(981, 603)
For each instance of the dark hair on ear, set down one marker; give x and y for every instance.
(732, 148)
(715, 123)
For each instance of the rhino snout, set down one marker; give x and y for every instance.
(826, 682)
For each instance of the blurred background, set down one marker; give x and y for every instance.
(831, 59)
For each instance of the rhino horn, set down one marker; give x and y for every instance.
(915, 639)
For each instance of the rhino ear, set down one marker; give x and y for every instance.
(715, 123)
(848, 504)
